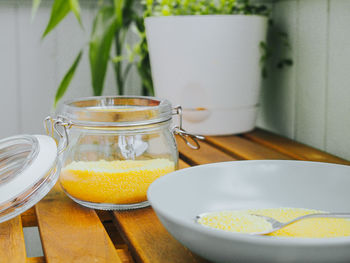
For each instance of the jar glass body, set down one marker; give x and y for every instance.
(111, 168)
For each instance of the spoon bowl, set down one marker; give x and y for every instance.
(277, 225)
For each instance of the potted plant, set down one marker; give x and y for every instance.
(111, 25)
(209, 64)
(206, 56)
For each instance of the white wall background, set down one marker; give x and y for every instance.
(31, 69)
(309, 102)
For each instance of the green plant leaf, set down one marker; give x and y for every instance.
(102, 36)
(59, 10)
(118, 59)
(118, 6)
(75, 7)
(129, 12)
(35, 6)
(67, 79)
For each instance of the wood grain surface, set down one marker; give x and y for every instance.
(149, 241)
(183, 165)
(291, 148)
(124, 255)
(72, 233)
(245, 149)
(29, 218)
(12, 249)
(206, 154)
(36, 260)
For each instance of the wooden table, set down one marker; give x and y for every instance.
(72, 233)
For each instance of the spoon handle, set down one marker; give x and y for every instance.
(329, 215)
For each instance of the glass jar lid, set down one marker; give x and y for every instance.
(28, 171)
(115, 111)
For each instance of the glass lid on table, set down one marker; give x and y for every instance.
(27, 172)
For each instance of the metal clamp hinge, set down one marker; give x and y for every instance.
(186, 136)
(61, 126)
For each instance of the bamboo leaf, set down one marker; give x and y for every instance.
(75, 7)
(100, 46)
(129, 12)
(35, 6)
(118, 8)
(67, 79)
(118, 59)
(59, 10)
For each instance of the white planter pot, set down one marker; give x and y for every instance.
(210, 66)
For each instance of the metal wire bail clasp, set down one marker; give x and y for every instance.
(184, 134)
(61, 127)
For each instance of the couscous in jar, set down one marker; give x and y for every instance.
(115, 148)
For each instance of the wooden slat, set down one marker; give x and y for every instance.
(245, 149)
(29, 218)
(12, 248)
(125, 256)
(114, 235)
(70, 232)
(36, 260)
(291, 148)
(149, 241)
(183, 165)
(104, 215)
(206, 154)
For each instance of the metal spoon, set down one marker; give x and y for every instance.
(277, 225)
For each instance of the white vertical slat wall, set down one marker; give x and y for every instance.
(308, 102)
(278, 92)
(338, 93)
(31, 68)
(9, 82)
(36, 69)
(311, 72)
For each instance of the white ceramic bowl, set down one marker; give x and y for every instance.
(178, 197)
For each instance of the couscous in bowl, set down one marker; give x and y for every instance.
(178, 197)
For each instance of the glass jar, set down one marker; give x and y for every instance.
(113, 148)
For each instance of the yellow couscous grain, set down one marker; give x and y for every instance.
(114, 182)
(244, 221)
(235, 221)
